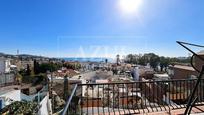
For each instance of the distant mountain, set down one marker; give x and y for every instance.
(22, 56)
(5, 55)
(1, 54)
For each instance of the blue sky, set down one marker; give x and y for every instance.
(98, 28)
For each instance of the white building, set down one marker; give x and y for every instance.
(4, 65)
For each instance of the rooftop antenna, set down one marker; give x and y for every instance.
(192, 100)
(17, 51)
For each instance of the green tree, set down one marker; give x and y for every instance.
(153, 60)
(132, 59)
(142, 61)
(19, 78)
(164, 62)
(74, 66)
(28, 70)
(36, 67)
(44, 67)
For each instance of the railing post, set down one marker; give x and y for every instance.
(69, 99)
(81, 100)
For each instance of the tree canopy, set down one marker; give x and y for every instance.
(154, 60)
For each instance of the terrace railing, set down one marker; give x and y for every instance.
(134, 97)
(71, 106)
(7, 79)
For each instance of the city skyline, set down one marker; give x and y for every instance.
(102, 28)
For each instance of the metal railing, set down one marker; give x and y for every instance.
(133, 97)
(68, 108)
(7, 79)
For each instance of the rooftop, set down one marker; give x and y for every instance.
(201, 52)
(184, 67)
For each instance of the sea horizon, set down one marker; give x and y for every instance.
(87, 59)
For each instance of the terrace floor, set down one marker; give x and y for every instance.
(198, 110)
(177, 112)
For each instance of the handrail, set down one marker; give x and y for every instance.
(69, 100)
(151, 96)
(172, 80)
(137, 97)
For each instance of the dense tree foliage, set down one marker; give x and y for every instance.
(132, 59)
(36, 67)
(28, 70)
(74, 66)
(154, 60)
(44, 67)
(37, 74)
(20, 108)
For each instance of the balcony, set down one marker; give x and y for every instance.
(144, 97)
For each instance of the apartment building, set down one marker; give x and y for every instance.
(4, 65)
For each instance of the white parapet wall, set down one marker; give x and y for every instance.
(14, 95)
(10, 97)
(44, 106)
